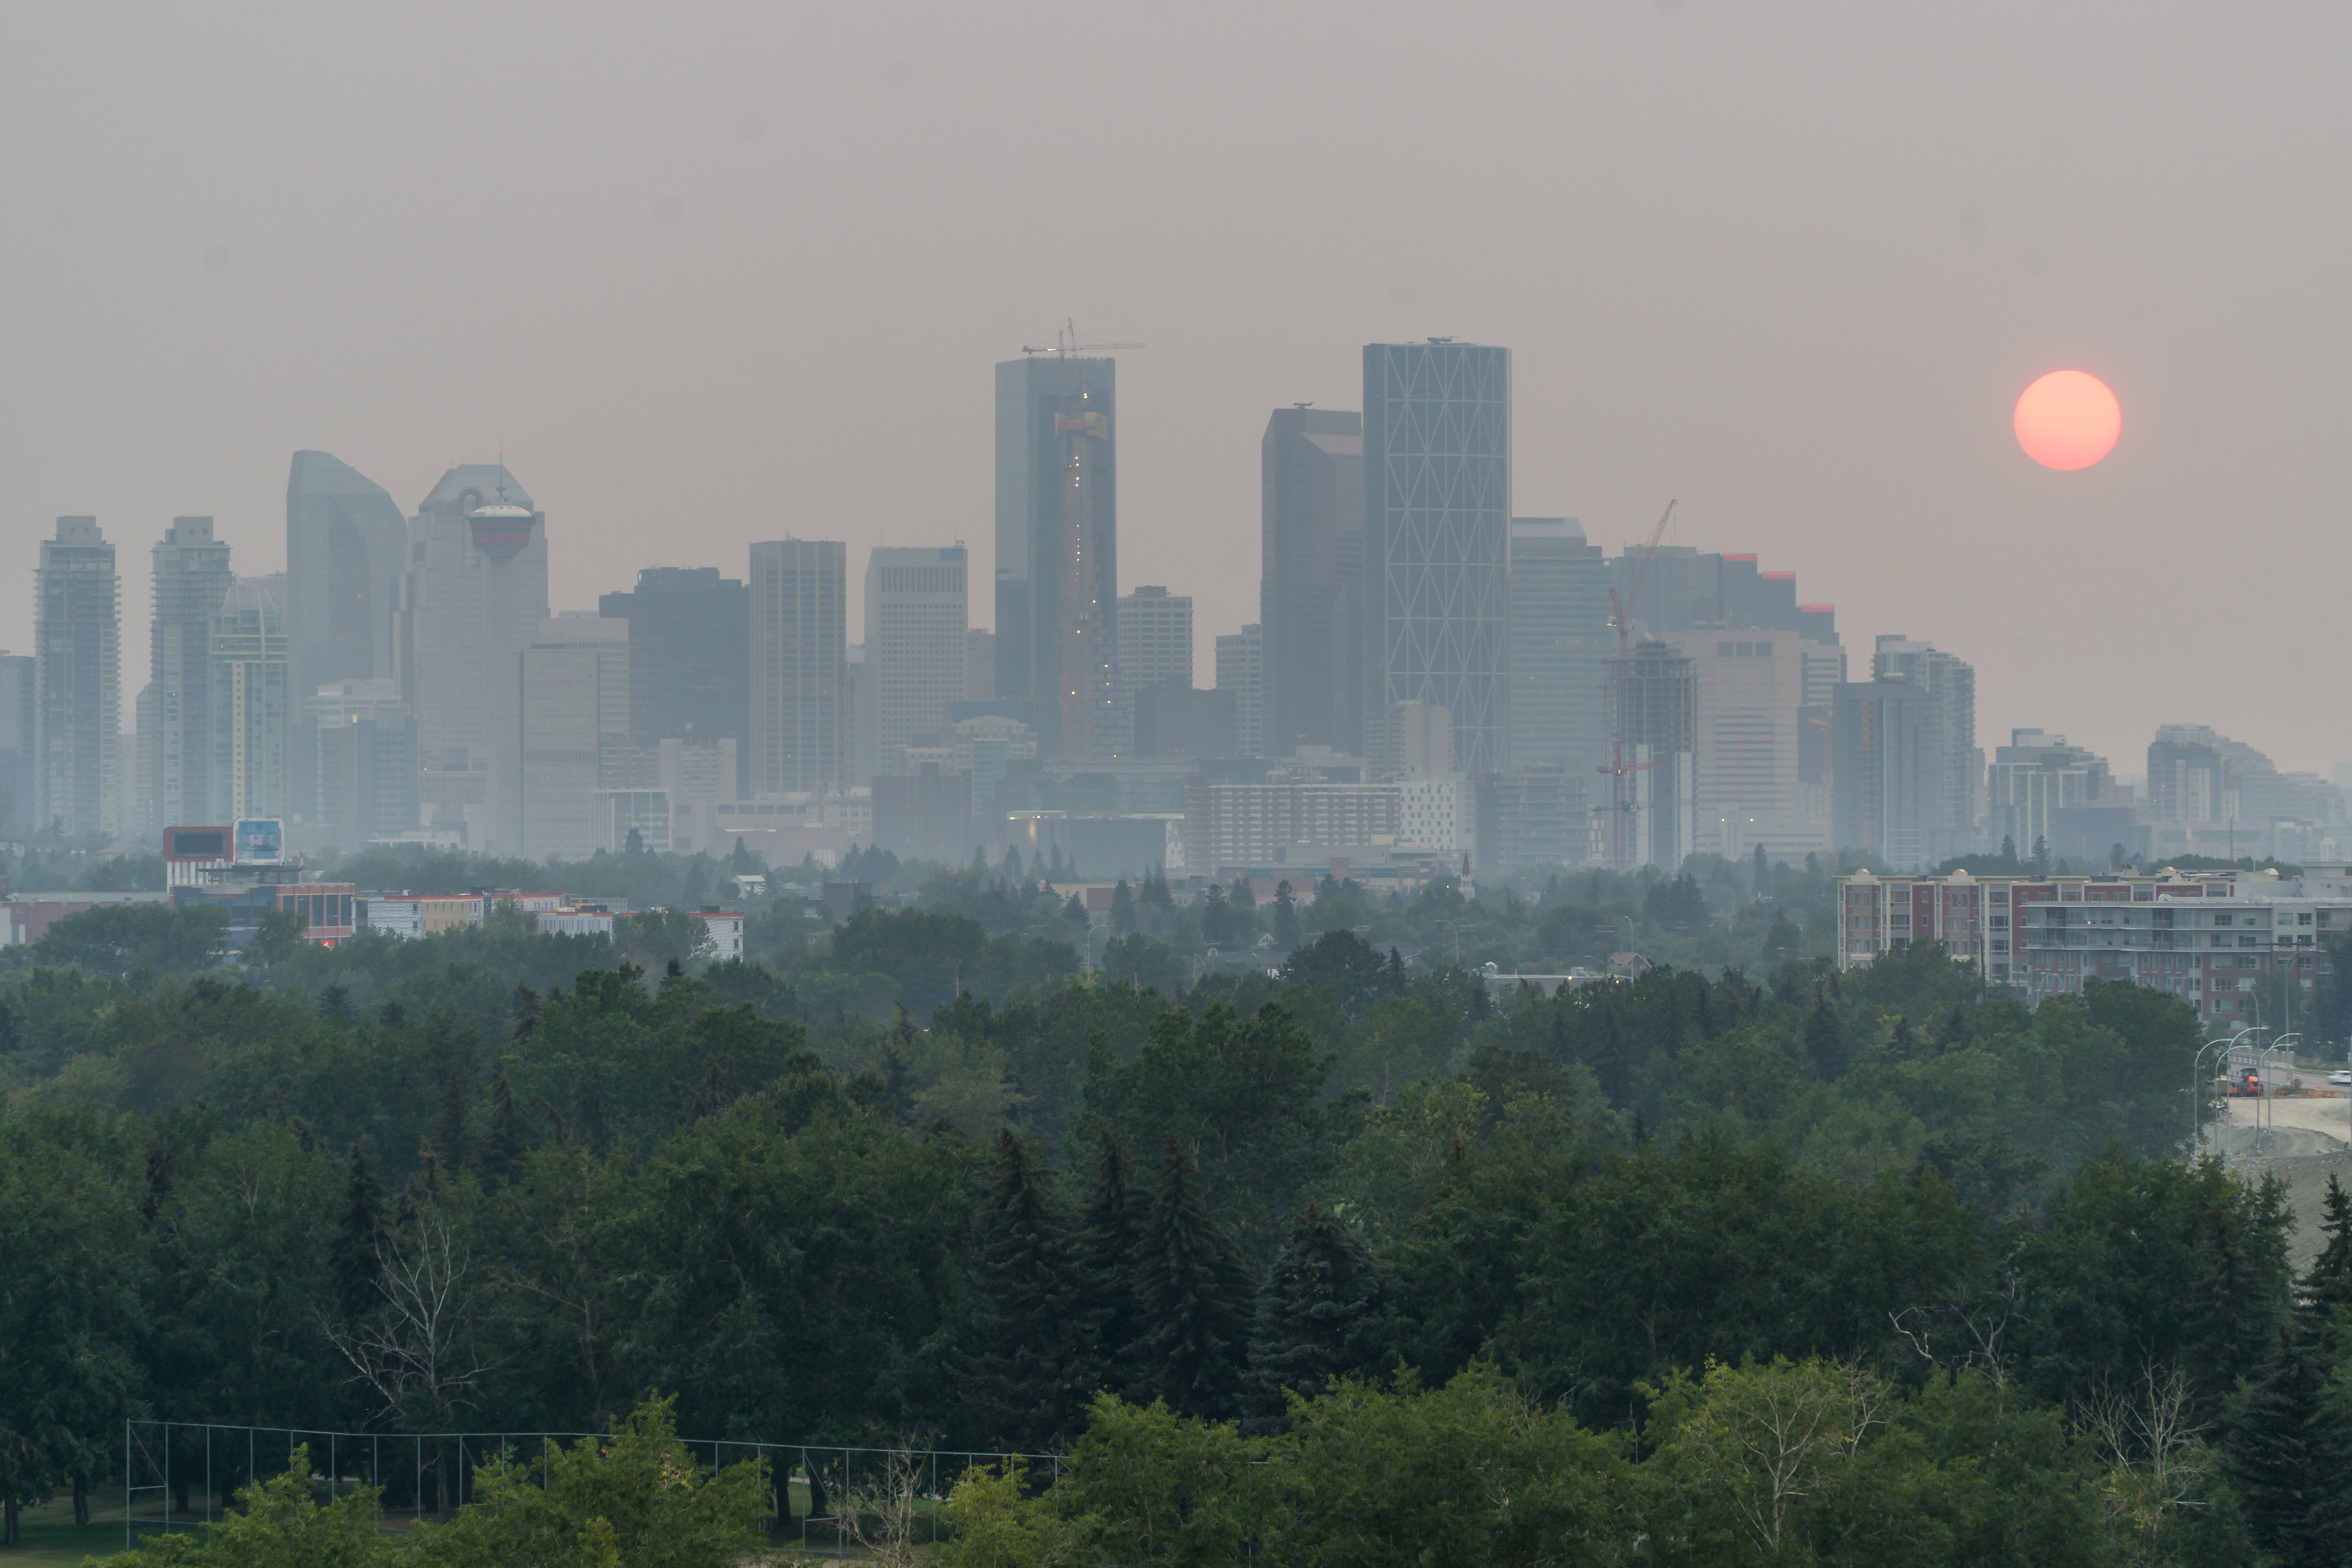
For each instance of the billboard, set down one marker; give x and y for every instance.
(260, 841)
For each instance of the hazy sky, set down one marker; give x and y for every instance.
(716, 274)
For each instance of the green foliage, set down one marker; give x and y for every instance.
(1031, 1362)
(123, 938)
(638, 1497)
(1191, 1341)
(279, 1523)
(1318, 1315)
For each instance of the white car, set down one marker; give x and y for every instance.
(2341, 1076)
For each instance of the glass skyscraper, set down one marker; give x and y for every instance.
(1058, 548)
(1437, 524)
(1311, 467)
(1560, 639)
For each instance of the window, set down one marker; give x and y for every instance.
(2304, 919)
(2220, 919)
(2247, 941)
(1723, 650)
(2244, 962)
(2219, 940)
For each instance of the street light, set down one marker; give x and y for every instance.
(2199, 1086)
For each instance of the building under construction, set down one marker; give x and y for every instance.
(1654, 693)
(1058, 548)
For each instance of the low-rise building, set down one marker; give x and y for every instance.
(2205, 937)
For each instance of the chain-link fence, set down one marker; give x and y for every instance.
(181, 1476)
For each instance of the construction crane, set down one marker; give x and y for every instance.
(1619, 770)
(1066, 344)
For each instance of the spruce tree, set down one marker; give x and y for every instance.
(1028, 1370)
(2288, 1447)
(357, 1233)
(503, 1150)
(1824, 1042)
(451, 1141)
(2325, 1292)
(1108, 1236)
(1315, 1314)
(1191, 1302)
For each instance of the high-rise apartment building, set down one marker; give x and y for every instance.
(1560, 645)
(363, 762)
(689, 656)
(1241, 670)
(251, 726)
(1155, 650)
(16, 741)
(1951, 777)
(473, 599)
(1652, 795)
(1437, 520)
(800, 654)
(1904, 758)
(1058, 547)
(918, 618)
(175, 753)
(575, 724)
(77, 782)
(346, 548)
(2031, 780)
(980, 666)
(1311, 476)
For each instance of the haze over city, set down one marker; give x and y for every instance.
(715, 277)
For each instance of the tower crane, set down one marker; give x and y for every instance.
(1066, 344)
(1619, 770)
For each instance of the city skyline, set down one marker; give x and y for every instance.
(1833, 390)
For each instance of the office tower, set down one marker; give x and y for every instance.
(346, 548)
(1058, 547)
(1653, 801)
(175, 753)
(1437, 512)
(799, 664)
(1747, 742)
(363, 759)
(1312, 480)
(575, 725)
(472, 599)
(1409, 739)
(78, 684)
(252, 709)
(16, 741)
(689, 656)
(1155, 650)
(980, 666)
(1241, 670)
(1951, 779)
(1561, 641)
(2035, 778)
(917, 617)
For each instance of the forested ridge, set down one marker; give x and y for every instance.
(1333, 1265)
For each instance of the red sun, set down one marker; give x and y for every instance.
(2068, 419)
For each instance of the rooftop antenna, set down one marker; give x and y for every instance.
(502, 473)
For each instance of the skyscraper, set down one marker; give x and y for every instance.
(1155, 650)
(575, 721)
(1560, 642)
(78, 683)
(1904, 757)
(251, 724)
(16, 740)
(1748, 744)
(1241, 670)
(1311, 478)
(918, 618)
(346, 548)
(364, 757)
(800, 655)
(192, 578)
(1949, 806)
(472, 599)
(1437, 512)
(689, 656)
(1058, 547)
(1655, 799)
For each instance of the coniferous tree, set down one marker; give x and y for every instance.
(357, 1232)
(452, 1142)
(1315, 1314)
(1122, 908)
(1763, 873)
(1824, 1041)
(2288, 1450)
(503, 1150)
(2326, 1290)
(1191, 1302)
(1108, 1236)
(1028, 1370)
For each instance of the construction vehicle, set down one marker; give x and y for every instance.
(2247, 1085)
